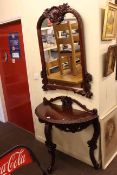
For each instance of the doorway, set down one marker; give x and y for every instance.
(14, 75)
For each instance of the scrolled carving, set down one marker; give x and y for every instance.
(87, 85)
(67, 103)
(43, 74)
(73, 128)
(88, 77)
(56, 14)
(44, 81)
(89, 94)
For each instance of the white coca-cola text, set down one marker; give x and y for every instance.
(14, 161)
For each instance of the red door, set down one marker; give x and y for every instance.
(14, 75)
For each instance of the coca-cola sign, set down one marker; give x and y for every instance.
(13, 160)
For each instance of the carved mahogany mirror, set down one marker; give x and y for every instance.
(62, 49)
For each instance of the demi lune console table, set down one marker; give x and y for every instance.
(67, 119)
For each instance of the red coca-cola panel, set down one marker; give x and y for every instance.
(14, 160)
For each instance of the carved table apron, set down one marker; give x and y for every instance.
(68, 121)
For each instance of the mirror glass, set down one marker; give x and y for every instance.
(62, 54)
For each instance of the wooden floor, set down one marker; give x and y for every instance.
(10, 136)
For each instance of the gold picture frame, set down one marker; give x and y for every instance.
(110, 60)
(110, 19)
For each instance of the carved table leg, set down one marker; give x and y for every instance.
(51, 146)
(93, 143)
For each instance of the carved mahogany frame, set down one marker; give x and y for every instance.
(56, 15)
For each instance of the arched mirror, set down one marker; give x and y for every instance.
(62, 50)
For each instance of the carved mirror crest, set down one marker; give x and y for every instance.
(62, 49)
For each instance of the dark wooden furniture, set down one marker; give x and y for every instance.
(67, 119)
(56, 15)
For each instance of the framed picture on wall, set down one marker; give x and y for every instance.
(109, 137)
(110, 60)
(110, 25)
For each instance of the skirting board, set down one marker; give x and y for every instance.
(85, 159)
(106, 165)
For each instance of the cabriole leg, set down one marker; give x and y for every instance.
(93, 143)
(51, 146)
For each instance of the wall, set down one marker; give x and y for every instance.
(107, 101)
(29, 12)
(108, 85)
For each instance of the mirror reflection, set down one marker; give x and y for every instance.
(62, 50)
